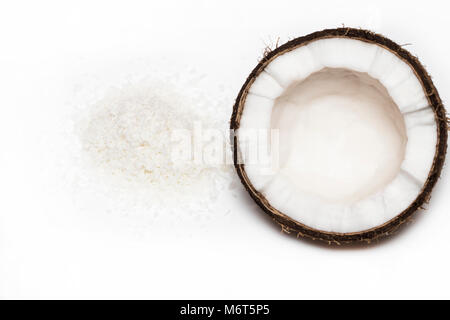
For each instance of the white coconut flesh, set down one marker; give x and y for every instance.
(357, 136)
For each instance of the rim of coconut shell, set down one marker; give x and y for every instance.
(290, 225)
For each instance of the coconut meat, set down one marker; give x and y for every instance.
(356, 134)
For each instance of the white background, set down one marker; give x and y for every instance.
(49, 249)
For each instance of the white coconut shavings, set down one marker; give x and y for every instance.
(129, 134)
(125, 144)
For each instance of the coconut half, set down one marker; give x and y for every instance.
(361, 135)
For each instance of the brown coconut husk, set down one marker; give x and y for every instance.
(292, 226)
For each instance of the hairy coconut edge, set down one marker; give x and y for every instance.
(292, 226)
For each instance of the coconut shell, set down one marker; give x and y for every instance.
(292, 226)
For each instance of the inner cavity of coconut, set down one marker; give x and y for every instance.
(341, 136)
(356, 134)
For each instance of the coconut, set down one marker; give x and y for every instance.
(356, 129)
